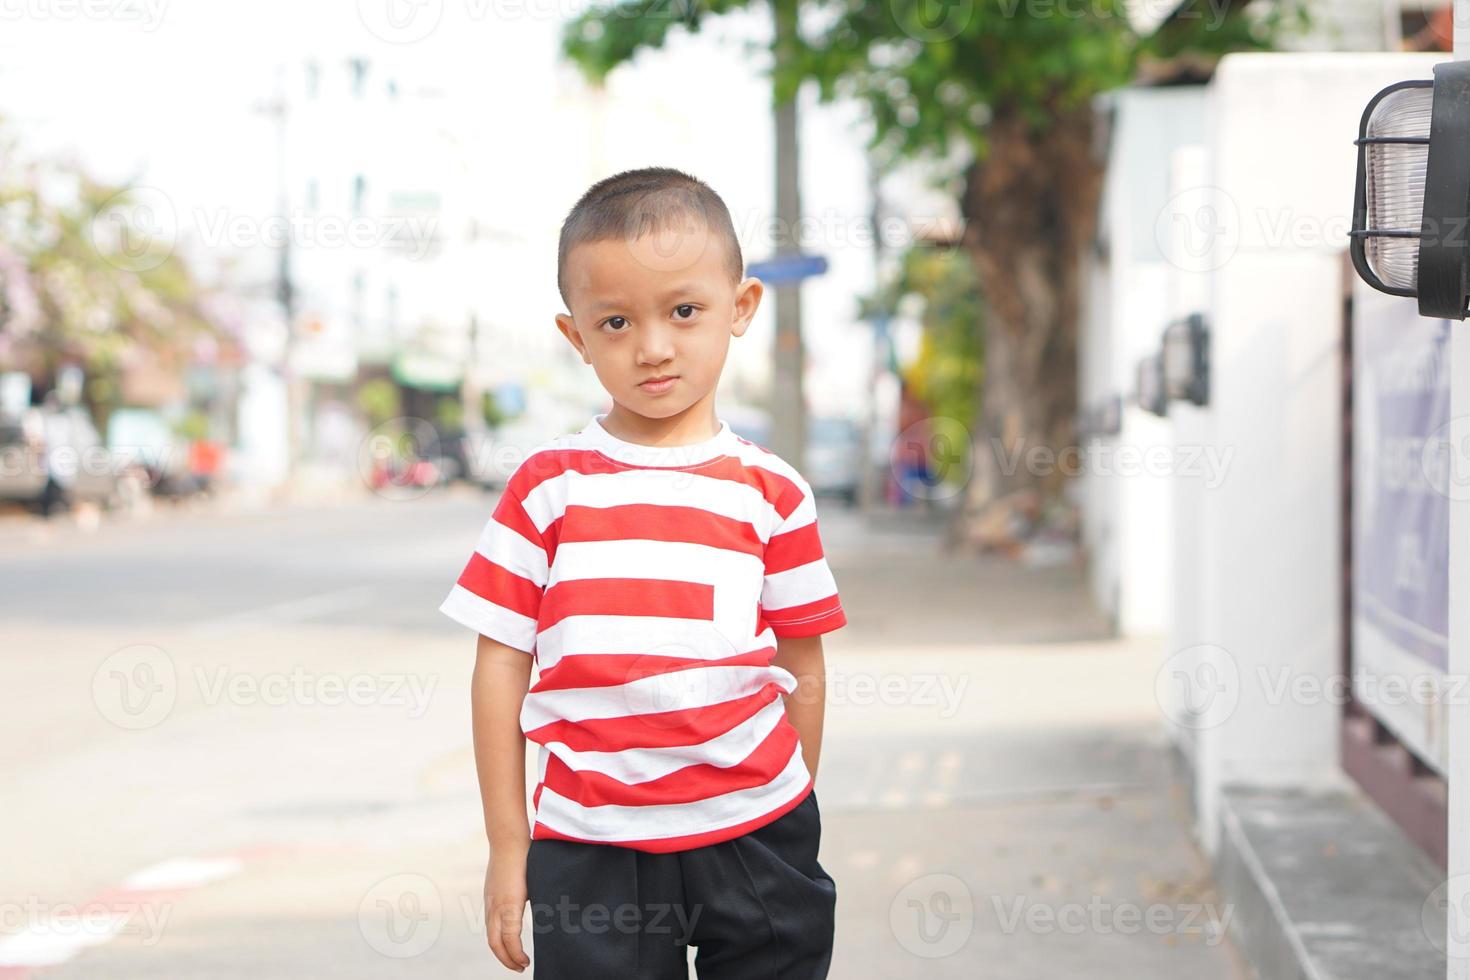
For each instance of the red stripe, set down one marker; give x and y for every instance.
(665, 845)
(608, 669)
(498, 584)
(660, 522)
(690, 784)
(656, 730)
(807, 619)
(793, 549)
(627, 597)
(510, 512)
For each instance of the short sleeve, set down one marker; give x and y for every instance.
(498, 594)
(799, 597)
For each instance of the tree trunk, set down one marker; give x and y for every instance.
(1030, 207)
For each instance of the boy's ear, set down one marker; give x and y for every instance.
(568, 328)
(747, 299)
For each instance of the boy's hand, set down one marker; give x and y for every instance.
(505, 905)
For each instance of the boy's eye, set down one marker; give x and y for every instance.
(614, 321)
(685, 306)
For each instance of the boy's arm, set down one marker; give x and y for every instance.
(497, 690)
(803, 657)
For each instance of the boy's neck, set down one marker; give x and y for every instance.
(695, 424)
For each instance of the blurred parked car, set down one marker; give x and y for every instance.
(51, 457)
(147, 451)
(834, 457)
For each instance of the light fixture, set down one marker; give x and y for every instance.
(1110, 416)
(1412, 198)
(1186, 356)
(1148, 390)
(1103, 418)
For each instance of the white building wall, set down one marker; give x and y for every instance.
(1458, 711)
(1126, 481)
(1262, 569)
(1457, 896)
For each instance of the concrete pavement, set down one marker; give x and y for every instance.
(245, 736)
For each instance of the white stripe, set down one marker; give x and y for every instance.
(50, 943)
(182, 873)
(508, 549)
(611, 822)
(58, 940)
(657, 636)
(798, 586)
(489, 619)
(641, 765)
(677, 561)
(804, 514)
(676, 690)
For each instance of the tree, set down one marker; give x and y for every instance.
(75, 289)
(947, 372)
(1012, 82)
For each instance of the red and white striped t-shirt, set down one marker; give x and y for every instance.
(651, 583)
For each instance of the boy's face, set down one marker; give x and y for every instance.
(660, 306)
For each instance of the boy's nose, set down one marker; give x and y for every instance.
(655, 348)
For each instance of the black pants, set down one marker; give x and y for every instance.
(757, 907)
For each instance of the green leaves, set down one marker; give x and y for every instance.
(1032, 57)
(94, 290)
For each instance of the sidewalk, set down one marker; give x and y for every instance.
(996, 799)
(996, 792)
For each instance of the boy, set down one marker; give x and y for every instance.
(668, 579)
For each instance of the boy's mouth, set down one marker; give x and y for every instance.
(661, 383)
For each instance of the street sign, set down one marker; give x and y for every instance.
(785, 269)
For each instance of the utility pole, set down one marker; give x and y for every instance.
(871, 486)
(285, 290)
(788, 402)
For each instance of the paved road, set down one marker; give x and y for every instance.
(236, 745)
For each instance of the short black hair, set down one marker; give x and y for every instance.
(633, 203)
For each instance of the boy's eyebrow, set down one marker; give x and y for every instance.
(601, 303)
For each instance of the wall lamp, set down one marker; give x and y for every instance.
(1104, 418)
(1148, 389)
(1412, 199)
(1186, 354)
